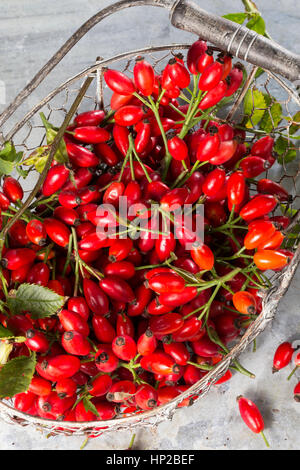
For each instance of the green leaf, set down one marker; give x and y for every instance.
(40, 165)
(292, 239)
(288, 210)
(40, 301)
(38, 158)
(289, 156)
(295, 127)
(16, 375)
(5, 332)
(48, 126)
(281, 145)
(89, 406)
(259, 72)
(257, 24)
(272, 116)
(61, 155)
(236, 17)
(286, 150)
(254, 107)
(8, 158)
(6, 167)
(9, 153)
(23, 173)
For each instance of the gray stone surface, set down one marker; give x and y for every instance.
(30, 32)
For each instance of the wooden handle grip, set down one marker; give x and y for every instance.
(236, 39)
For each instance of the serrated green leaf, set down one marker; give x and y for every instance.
(38, 158)
(281, 145)
(8, 158)
(288, 210)
(35, 155)
(289, 156)
(272, 116)
(89, 406)
(19, 157)
(6, 151)
(6, 167)
(257, 24)
(286, 150)
(236, 17)
(254, 107)
(40, 164)
(9, 153)
(61, 155)
(16, 375)
(40, 301)
(295, 127)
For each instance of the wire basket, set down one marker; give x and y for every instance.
(71, 96)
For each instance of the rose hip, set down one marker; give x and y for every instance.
(251, 416)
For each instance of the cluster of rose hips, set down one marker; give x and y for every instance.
(144, 318)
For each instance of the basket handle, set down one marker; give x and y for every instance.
(185, 15)
(236, 39)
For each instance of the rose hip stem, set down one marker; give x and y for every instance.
(131, 442)
(297, 362)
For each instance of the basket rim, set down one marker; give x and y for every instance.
(97, 66)
(87, 71)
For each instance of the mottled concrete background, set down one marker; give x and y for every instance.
(30, 32)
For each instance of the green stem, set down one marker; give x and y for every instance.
(201, 366)
(68, 255)
(292, 373)
(76, 283)
(163, 134)
(139, 160)
(124, 164)
(84, 443)
(131, 442)
(265, 439)
(177, 110)
(4, 283)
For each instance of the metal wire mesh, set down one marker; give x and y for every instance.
(28, 134)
